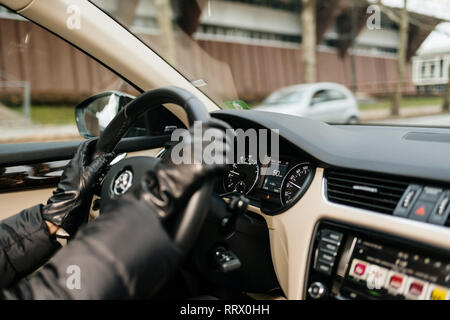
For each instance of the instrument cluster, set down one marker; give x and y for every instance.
(273, 185)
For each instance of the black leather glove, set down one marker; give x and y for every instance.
(69, 206)
(169, 186)
(124, 254)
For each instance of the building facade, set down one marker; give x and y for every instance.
(431, 70)
(256, 43)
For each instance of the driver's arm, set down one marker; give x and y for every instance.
(25, 244)
(126, 253)
(123, 254)
(27, 240)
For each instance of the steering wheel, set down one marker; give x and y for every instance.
(126, 175)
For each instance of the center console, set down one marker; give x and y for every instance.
(351, 263)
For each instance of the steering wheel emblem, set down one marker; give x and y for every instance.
(123, 183)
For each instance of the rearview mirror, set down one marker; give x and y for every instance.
(95, 113)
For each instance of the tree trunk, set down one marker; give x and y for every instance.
(164, 16)
(308, 21)
(446, 104)
(354, 85)
(401, 60)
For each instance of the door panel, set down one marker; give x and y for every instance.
(13, 202)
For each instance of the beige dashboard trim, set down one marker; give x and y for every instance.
(16, 4)
(291, 232)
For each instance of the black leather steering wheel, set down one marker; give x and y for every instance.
(131, 170)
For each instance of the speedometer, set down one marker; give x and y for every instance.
(295, 182)
(242, 177)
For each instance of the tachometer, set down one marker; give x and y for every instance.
(295, 181)
(242, 177)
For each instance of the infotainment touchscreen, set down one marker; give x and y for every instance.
(380, 271)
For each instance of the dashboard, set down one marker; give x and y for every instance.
(372, 198)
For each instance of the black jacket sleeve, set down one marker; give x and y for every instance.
(25, 244)
(124, 254)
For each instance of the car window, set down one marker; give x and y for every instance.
(319, 97)
(42, 79)
(321, 94)
(326, 95)
(283, 97)
(335, 95)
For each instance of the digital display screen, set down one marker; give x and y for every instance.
(378, 271)
(274, 175)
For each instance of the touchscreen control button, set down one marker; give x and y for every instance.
(376, 277)
(359, 269)
(396, 283)
(438, 293)
(416, 289)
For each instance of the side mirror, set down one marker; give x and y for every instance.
(95, 113)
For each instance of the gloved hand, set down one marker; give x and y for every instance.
(126, 253)
(69, 206)
(169, 186)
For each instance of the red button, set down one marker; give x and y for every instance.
(360, 268)
(396, 282)
(421, 211)
(416, 288)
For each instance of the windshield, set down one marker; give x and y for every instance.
(388, 61)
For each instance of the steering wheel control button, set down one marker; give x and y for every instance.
(122, 183)
(441, 211)
(316, 290)
(421, 211)
(408, 199)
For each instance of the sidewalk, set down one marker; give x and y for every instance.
(10, 133)
(15, 128)
(405, 112)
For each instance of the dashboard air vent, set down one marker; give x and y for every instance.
(366, 191)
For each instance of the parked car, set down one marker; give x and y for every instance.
(324, 101)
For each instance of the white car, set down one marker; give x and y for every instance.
(323, 101)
